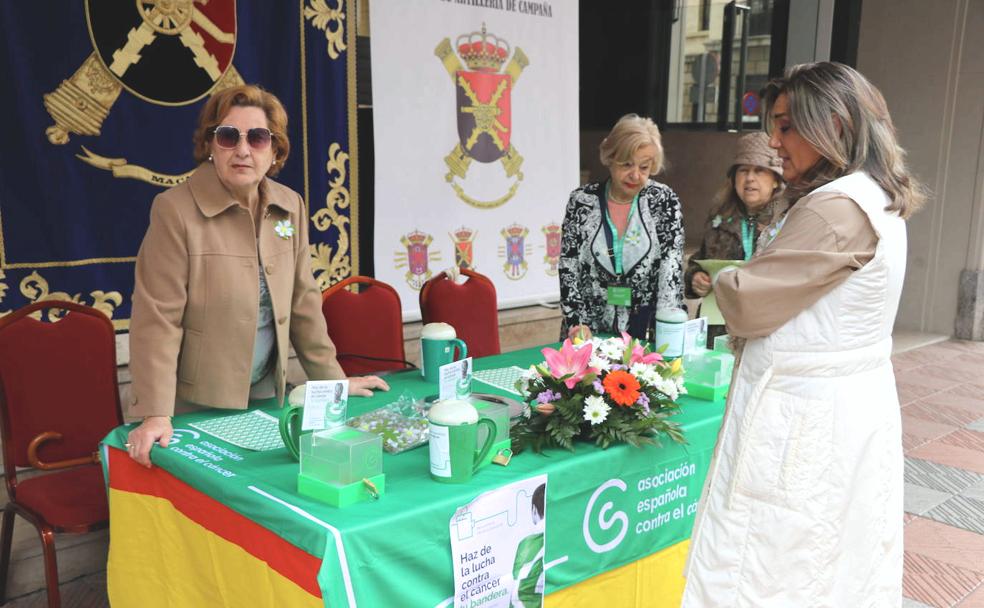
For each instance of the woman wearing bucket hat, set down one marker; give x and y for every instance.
(748, 202)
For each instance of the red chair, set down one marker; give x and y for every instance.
(58, 399)
(365, 325)
(471, 308)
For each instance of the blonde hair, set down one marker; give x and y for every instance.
(845, 118)
(247, 95)
(630, 133)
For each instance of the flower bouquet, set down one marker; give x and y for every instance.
(608, 391)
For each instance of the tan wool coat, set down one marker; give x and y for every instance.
(196, 297)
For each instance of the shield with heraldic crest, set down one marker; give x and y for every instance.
(169, 52)
(515, 251)
(417, 256)
(553, 235)
(464, 247)
(483, 96)
(484, 77)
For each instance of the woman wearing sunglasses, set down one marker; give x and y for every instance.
(223, 278)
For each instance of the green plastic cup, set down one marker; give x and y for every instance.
(438, 342)
(455, 455)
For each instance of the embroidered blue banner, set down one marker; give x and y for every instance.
(101, 99)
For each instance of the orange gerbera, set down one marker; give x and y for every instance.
(622, 387)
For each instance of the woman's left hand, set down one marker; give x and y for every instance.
(701, 284)
(362, 386)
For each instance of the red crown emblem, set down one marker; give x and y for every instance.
(418, 238)
(481, 51)
(515, 230)
(463, 234)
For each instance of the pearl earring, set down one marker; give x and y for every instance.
(209, 158)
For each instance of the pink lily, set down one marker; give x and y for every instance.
(569, 361)
(639, 354)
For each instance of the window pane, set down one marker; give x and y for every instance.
(695, 61)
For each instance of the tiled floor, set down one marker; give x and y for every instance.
(941, 390)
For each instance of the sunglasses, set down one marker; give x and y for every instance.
(228, 137)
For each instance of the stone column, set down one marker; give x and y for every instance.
(969, 323)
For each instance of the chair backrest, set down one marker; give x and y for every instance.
(56, 376)
(471, 308)
(366, 326)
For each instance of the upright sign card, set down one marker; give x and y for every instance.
(456, 380)
(694, 335)
(325, 404)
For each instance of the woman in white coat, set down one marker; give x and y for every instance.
(803, 502)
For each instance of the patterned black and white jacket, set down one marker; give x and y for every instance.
(652, 261)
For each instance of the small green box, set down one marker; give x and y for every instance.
(707, 373)
(708, 393)
(339, 495)
(341, 456)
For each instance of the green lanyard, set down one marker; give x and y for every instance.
(747, 237)
(619, 241)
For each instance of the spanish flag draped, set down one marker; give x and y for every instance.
(226, 559)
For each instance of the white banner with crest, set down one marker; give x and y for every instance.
(475, 112)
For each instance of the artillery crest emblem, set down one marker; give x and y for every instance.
(483, 109)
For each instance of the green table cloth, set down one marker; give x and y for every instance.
(605, 508)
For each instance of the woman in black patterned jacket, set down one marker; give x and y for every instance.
(622, 249)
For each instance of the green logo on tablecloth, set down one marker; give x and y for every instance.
(658, 500)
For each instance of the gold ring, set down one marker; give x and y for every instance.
(127, 445)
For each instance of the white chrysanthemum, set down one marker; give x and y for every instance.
(645, 373)
(599, 363)
(669, 388)
(595, 409)
(613, 348)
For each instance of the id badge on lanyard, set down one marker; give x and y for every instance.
(619, 295)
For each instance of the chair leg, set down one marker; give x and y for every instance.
(6, 536)
(50, 565)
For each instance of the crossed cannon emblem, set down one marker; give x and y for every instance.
(171, 18)
(484, 108)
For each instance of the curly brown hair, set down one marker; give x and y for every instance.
(247, 95)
